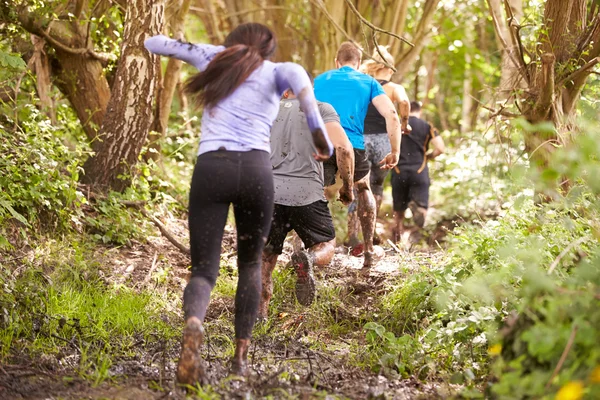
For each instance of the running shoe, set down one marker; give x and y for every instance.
(305, 280)
(190, 369)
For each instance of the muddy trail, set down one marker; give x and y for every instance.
(297, 353)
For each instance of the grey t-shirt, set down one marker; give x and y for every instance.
(297, 176)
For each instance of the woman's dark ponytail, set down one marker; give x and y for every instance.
(247, 47)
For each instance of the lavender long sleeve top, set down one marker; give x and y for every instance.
(242, 121)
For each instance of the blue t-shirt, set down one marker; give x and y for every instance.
(350, 92)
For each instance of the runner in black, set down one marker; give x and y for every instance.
(410, 178)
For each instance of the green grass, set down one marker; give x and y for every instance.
(58, 304)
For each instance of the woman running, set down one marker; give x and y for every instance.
(377, 144)
(240, 90)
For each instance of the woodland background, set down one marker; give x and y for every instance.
(98, 143)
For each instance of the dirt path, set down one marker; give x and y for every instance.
(293, 355)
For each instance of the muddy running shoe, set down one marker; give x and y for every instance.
(190, 369)
(239, 362)
(305, 281)
(357, 250)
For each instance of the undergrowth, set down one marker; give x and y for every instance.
(510, 313)
(56, 306)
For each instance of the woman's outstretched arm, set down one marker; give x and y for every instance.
(293, 76)
(198, 55)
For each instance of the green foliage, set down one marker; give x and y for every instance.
(11, 61)
(38, 174)
(58, 304)
(508, 298)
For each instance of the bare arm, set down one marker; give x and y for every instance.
(344, 157)
(438, 147)
(386, 108)
(401, 98)
(198, 55)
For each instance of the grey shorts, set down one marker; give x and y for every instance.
(377, 146)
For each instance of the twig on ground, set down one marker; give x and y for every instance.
(163, 229)
(396, 249)
(152, 268)
(563, 357)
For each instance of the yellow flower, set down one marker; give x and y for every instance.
(495, 350)
(571, 391)
(595, 375)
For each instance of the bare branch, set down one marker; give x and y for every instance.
(382, 61)
(520, 67)
(375, 28)
(139, 205)
(582, 70)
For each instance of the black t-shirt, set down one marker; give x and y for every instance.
(414, 145)
(374, 122)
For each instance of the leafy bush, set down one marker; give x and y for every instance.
(38, 174)
(515, 298)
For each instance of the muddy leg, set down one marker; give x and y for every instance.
(353, 226)
(196, 296)
(366, 215)
(378, 201)
(399, 226)
(323, 253)
(269, 261)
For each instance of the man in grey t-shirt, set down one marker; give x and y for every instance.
(300, 203)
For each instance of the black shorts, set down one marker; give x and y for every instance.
(410, 185)
(312, 223)
(361, 167)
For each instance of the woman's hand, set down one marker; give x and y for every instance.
(389, 161)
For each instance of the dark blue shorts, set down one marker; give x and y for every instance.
(410, 185)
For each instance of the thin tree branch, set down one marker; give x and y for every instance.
(375, 28)
(583, 69)
(339, 28)
(521, 68)
(383, 61)
(516, 35)
(161, 227)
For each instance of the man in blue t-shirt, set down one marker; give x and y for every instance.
(350, 92)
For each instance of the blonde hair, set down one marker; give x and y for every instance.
(373, 66)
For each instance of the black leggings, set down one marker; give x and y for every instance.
(221, 178)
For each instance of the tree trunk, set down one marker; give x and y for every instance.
(129, 113)
(166, 91)
(421, 36)
(81, 79)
